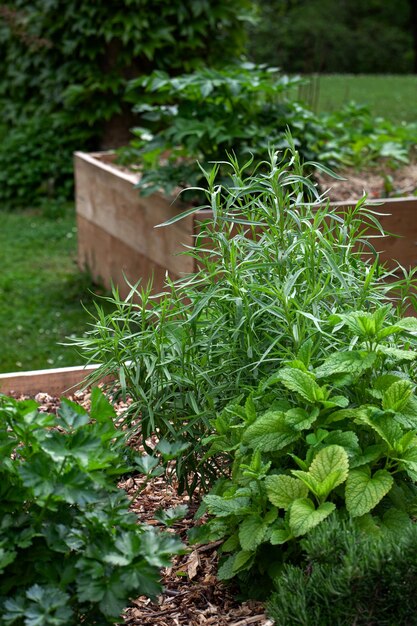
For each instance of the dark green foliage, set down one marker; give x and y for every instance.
(318, 436)
(70, 550)
(66, 65)
(346, 577)
(369, 37)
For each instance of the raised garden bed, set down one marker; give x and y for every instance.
(117, 237)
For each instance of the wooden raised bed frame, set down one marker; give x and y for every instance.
(117, 237)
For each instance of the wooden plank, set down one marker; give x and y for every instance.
(106, 196)
(57, 382)
(109, 260)
(398, 217)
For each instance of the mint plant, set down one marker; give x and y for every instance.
(314, 439)
(70, 550)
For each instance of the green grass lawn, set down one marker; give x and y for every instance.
(41, 290)
(392, 97)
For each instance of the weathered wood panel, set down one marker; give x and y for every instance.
(58, 381)
(106, 197)
(111, 261)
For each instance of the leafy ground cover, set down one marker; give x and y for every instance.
(392, 97)
(41, 289)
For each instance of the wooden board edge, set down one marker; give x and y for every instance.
(60, 381)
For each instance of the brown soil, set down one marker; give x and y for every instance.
(192, 594)
(375, 182)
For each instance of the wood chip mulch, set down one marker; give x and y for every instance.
(192, 595)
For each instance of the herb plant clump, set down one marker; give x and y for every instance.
(317, 437)
(346, 577)
(272, 263)
(70, 550)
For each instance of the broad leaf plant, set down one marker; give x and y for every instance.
(309, 441)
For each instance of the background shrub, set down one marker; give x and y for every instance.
(68, 64)
(210, 113)
(295, 35)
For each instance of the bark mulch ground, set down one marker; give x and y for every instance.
(192, 595)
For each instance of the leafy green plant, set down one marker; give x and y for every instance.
(352, 136)
(66, 67)
(346, 577)
(203, 116)
(70, 550)
(272, 263)
(209, 113)
(317, 437)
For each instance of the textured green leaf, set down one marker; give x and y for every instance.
(301, 383)
(354, 362)
(270, 432)
(343, 414)
(386, 427)
(408, 324)
(252, 532)
(369, 455)
(222, 507)
(363, 491)
(396, 397)
(384, 381)
(396, 522)
(280, 536)
(225, 571)
(243, 560)
(303, 516)
(408, 415)
(328, 470)
(397, 354)
(340, 401)
(300, 419)
(408, 461)
(347, 439)
(72, 415)
(282, 490)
